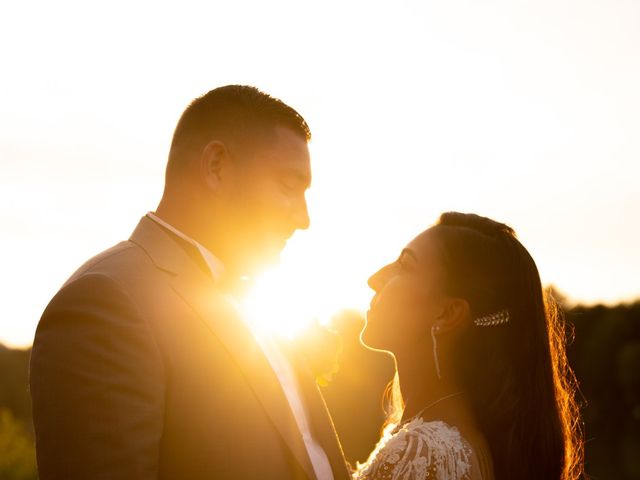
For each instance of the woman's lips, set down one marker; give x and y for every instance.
(373, 302)
(372, 306)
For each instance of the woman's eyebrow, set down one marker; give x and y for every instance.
(409, 252)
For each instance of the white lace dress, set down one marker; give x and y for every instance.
(419, 450)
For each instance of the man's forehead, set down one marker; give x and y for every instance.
(286, 150)
(284, 138)
(259, 139)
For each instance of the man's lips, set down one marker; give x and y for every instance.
(287, 235)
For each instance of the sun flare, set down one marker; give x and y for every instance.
(283, 304)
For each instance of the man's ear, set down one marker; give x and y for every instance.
(455, 314)
(214, 164)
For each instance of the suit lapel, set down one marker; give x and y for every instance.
(320, 419)
(223, 320)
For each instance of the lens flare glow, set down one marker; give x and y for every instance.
(283, 304)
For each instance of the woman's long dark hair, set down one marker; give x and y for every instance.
(515, 374)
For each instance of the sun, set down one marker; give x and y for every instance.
(283, 302)
(311, 284)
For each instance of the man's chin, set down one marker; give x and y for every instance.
(273, 252)
(259, 264)
(269, 261)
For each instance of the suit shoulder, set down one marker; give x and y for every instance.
(93, 305)
(117, 263)
(117, 275)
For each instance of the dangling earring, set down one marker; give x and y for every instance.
(434, 329)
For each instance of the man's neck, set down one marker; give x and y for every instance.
(200, 227)
(181, 219)
(214, 263)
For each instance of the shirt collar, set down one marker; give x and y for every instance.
(215, 265)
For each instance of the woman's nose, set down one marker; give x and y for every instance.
(378, 279)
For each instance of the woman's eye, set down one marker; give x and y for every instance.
(406, 264)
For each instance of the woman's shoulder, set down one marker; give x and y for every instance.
(441, 436)
(419, 450)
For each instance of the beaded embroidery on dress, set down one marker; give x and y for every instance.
(419, 450)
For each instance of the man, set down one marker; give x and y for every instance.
(141, 366)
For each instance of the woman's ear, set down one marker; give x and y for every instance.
(455, 314)
(214, 164)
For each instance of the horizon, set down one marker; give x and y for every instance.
(300, 328)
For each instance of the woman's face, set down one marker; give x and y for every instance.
(408, 298)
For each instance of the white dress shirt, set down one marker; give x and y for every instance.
(278, 361)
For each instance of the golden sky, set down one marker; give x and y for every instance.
(527, 112)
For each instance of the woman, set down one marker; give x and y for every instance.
(480, 361)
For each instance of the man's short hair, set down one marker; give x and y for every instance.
(239, 111)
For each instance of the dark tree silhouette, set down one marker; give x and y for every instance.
(604, 353)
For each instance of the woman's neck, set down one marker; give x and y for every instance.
(432, 398)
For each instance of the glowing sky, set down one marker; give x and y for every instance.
(528, 112)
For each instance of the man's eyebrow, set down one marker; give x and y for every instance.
(303, 177)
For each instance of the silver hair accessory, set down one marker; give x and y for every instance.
(435, 350)
(492, 319)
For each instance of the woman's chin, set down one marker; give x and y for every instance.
(372, 339)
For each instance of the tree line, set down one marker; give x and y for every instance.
(603, 350)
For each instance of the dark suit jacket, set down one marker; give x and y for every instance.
(141, 369)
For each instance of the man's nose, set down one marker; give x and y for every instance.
(301, 215)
